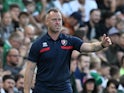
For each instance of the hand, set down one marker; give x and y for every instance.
(106, 41)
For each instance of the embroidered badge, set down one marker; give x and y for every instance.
(64, 42)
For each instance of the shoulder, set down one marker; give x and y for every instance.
(39, 40)
(69, 37)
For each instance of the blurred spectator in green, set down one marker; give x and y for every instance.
(7, 3)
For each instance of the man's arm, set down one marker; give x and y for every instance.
(30, 67)
(78, 85)
(96, 46)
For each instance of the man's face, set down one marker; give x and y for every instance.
(112, 20)
(24, 20)
(29, 32)
(13, 57)
(111, 88)
(54, 21)
(106, 71)
(85, 62)
(9, 84)
(20, 84)
(96, 16)
(73, 21)
(15, 12)
(7, 19)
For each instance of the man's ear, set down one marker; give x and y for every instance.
(46, 22)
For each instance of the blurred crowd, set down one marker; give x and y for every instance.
(23, 21)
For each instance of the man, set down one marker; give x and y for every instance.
(19, 79)
(6, 26)
(23, 21)
(8, 84)
(15, 41)
(108, 21)
(105, 73)
(95, 17)
(29, 32)
(51, 54)
(82, 70)
(12, 61)
(112, 86)
(72, 21)
(14, 10)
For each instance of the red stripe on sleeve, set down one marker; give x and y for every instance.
(67, 47)
(44, 49)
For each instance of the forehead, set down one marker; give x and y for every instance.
(13, 51)
(53, 14)
(112, 85)
(85, 57)
(9, 80)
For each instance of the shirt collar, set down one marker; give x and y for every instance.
(49, 38)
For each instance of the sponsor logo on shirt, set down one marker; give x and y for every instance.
(45, 44)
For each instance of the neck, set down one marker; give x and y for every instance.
(22, 25)
(61, 1)
(12, 65)
(89, 91)
(107, 25)
(80, 68)
(54, 36)
(91, 23)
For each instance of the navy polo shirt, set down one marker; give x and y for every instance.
(53, 62)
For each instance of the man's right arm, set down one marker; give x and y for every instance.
(30, 67)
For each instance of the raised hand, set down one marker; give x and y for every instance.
(106, 41)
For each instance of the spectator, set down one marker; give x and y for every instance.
(14, 10)
(122, 66)
(1, 54)
(82, 70)
(107, 5)
(88, 6)
(31, 8)
(1, 85)
(73, 20)
(15, 41)
(111, 52)
(120, 51)
(90, 86)
(6, 26)
(12, 61)
(19, 79)
(121, 86)
(7, 3)
(73, 66)
(108, 21)
(9, 84)
(29, 32)
(112, 86)
(95, 17)
(63, 6)
(23, 21)
(105, 73)
(114, 72)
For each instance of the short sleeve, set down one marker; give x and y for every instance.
(34, 53)
(76, 42)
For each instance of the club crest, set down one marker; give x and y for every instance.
(64, 42)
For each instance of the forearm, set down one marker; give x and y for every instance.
(28, 79)
(91, 47)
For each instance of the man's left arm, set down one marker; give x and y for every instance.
(96, 46)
